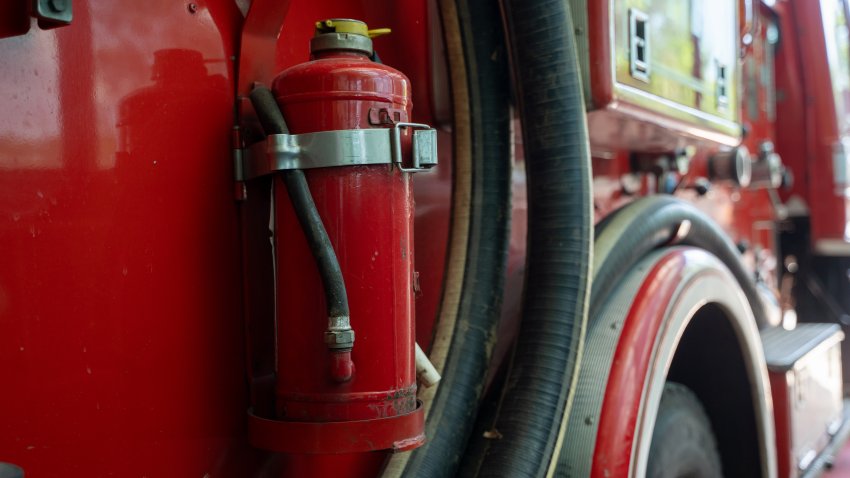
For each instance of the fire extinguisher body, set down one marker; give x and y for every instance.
(367, 211)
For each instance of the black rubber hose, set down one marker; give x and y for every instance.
(653, 222)
(268, 113)
(455, 404)
(272, 121)
(559, 249)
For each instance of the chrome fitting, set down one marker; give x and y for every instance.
(339, 335)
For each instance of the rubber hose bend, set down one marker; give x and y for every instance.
(656, 221)
(336, 298)
(539, 384)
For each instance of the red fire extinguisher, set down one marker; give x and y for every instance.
(343, 153)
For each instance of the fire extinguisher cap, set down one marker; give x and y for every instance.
(344, 34)
(341, 41)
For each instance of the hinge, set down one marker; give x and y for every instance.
(240, 192)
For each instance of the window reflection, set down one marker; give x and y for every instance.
(30, 136)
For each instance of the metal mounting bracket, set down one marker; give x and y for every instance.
(350, 147)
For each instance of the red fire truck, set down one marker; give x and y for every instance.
(424, 238)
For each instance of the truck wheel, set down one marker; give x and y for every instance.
(683, 444)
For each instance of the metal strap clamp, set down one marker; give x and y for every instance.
(349, 147)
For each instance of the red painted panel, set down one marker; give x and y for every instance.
(120, 318)
(599, 41)
(782, 420)
(792, 112)
(813, 146)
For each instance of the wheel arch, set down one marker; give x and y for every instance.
(677, 308)
(709, 341)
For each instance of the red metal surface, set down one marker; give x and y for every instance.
(808, 108)
(398, 433)
(621, 405)
(368, 213)
(599, 38)
(119, 285)
(782, 421)
(258, 43)
(792, 112)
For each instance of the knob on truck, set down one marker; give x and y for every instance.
(424, 238)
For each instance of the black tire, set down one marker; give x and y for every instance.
(683, 444)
